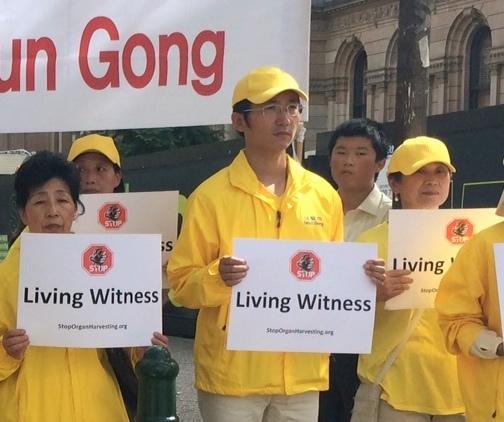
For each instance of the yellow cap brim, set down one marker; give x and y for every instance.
(418, 165)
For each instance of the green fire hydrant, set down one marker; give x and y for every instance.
(156, 374)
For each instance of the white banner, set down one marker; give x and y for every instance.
(426, 242)
(134, 213)
(88, 65)
(80, 290)
(303, 297)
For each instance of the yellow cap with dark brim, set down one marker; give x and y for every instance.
(95, 143)
(263, 83)
(414, 153)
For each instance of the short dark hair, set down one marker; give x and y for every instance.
(120, 188)
(242, 107)
(39, 169)
(366, 128)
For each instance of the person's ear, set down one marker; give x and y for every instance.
(394, 184)
(118, 176)
(22, 216)
(239, 122)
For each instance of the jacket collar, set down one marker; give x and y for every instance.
(373, 201)
(243, 177)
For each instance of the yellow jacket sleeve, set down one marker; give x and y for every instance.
(461, 292)
(8, 365)
(193, 266)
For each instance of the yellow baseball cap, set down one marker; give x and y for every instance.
(263, 83)
(415, 153)
(95, 143)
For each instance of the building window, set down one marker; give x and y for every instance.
(479, 75)
(359, 85)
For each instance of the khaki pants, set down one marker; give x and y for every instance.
(257, 408)
(387, 413)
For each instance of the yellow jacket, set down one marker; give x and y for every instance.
(230, 204)
(468, 302)
(52, 384)
(423, 378)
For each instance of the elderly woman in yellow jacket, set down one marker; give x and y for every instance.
(421, 383)
(469, 315)
(41, 384)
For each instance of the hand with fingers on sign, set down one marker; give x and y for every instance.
(157, 339)
(232, 270)
(388, 283)
(15, 342)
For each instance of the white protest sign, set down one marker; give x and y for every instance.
(426, 243)
(132, 212)
(499, 269)
(90, 65)
(82, 290)
(302, 296)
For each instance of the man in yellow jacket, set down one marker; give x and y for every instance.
(262, 194)
(470, 318)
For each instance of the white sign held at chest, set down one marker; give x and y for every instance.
(89, 290)
(426, 243)
(302, 297)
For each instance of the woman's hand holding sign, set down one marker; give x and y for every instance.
(388, 283)
(15, 343)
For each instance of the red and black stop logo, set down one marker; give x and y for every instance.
(112, 215)
(97, 259)
(459, 231)
(305, 265)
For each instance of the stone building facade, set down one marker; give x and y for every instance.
(354, 55)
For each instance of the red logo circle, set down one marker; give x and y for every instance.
(305, 265)
(459, 231)
(112, 215)
(97, 259)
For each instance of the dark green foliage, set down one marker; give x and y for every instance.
(142, 141)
